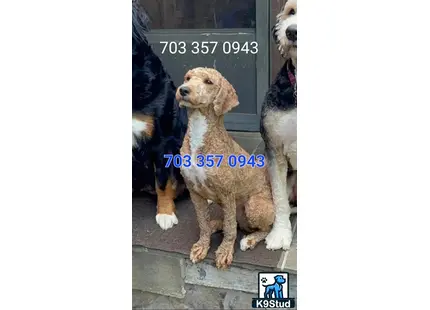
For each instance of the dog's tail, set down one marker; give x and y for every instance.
(140, 22)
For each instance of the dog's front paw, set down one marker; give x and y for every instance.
(224, 257)
(198, 252)
(247, 243)
(166, 221)
(279, 238)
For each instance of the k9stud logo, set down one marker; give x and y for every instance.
(273, 291)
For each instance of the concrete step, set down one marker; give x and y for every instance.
(167, 281)
(161, 265)
(180, 238)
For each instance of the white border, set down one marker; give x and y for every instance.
(363, 155)
(66, 170)
(66, 158)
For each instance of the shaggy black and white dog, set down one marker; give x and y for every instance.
(159, 125)
(279, 127)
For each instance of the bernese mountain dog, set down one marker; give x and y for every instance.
(159, 125)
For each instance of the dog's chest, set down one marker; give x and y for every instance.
(137, 128)
(197, 128)
(281, 126)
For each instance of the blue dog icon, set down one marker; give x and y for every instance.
(275, 290)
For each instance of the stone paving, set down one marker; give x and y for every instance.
(169, 281)
(197, 297)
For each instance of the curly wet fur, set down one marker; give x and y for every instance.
(243, 193)
(278, 128)
(158, 124)
(286, 18)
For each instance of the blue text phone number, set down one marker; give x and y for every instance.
(215, 160)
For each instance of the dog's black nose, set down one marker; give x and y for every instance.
(291, 32)
(184, 90)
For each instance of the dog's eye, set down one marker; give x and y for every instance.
(292, 12)
(207, 81)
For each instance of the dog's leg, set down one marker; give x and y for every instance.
(292, 190)
(166, 217)
(281, 234)
(166, 190)
(250, 241)
(224, 253)
(216, 225)
(201, 247)
(260, 214)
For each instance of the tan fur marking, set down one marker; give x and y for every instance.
(165, 204)
(251, 242)
(149, 120)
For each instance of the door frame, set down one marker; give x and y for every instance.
(261, 34)
(263, 37)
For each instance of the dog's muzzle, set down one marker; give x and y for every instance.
(182, 95)
(184, 91)
(291, 32)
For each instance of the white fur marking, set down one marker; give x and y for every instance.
(279, 238)
(198, 126)
(278, 181)
(244, 244)
(138, 127)
(283, 131)
(281, 234)
(166, 221)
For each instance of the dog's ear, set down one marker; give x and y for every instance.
(226, 99)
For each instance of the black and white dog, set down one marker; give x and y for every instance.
(279, 127)
(159, 125)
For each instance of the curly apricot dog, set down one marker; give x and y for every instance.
(243, 193)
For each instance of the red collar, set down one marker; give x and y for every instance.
(292, 78)
(291, 75)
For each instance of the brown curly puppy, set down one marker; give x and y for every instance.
(243, 193)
